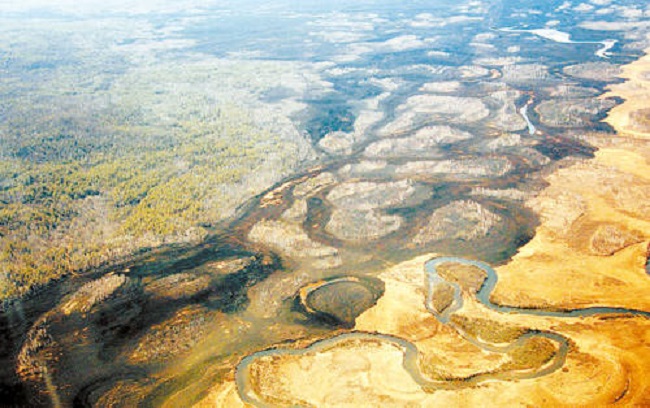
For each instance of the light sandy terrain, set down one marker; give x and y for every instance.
(609, 191)
(604, 363)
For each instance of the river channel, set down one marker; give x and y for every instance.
(411, 353)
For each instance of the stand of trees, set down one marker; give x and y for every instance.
(75, 210)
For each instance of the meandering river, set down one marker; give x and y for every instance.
(410, 360)
(565, 38)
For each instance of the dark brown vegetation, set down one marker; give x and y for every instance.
(442, 296)
(468, 277)
(640, 120)
(534, 353)
(488, 330)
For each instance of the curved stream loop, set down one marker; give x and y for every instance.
(483, 295)
(523, 111)
(410, 361)
(565, 38)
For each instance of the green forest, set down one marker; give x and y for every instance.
(91, 172)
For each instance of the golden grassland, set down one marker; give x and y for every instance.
(593, 361)
(605, 363)
(559, 267)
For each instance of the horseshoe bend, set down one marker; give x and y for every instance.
(377, 204)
